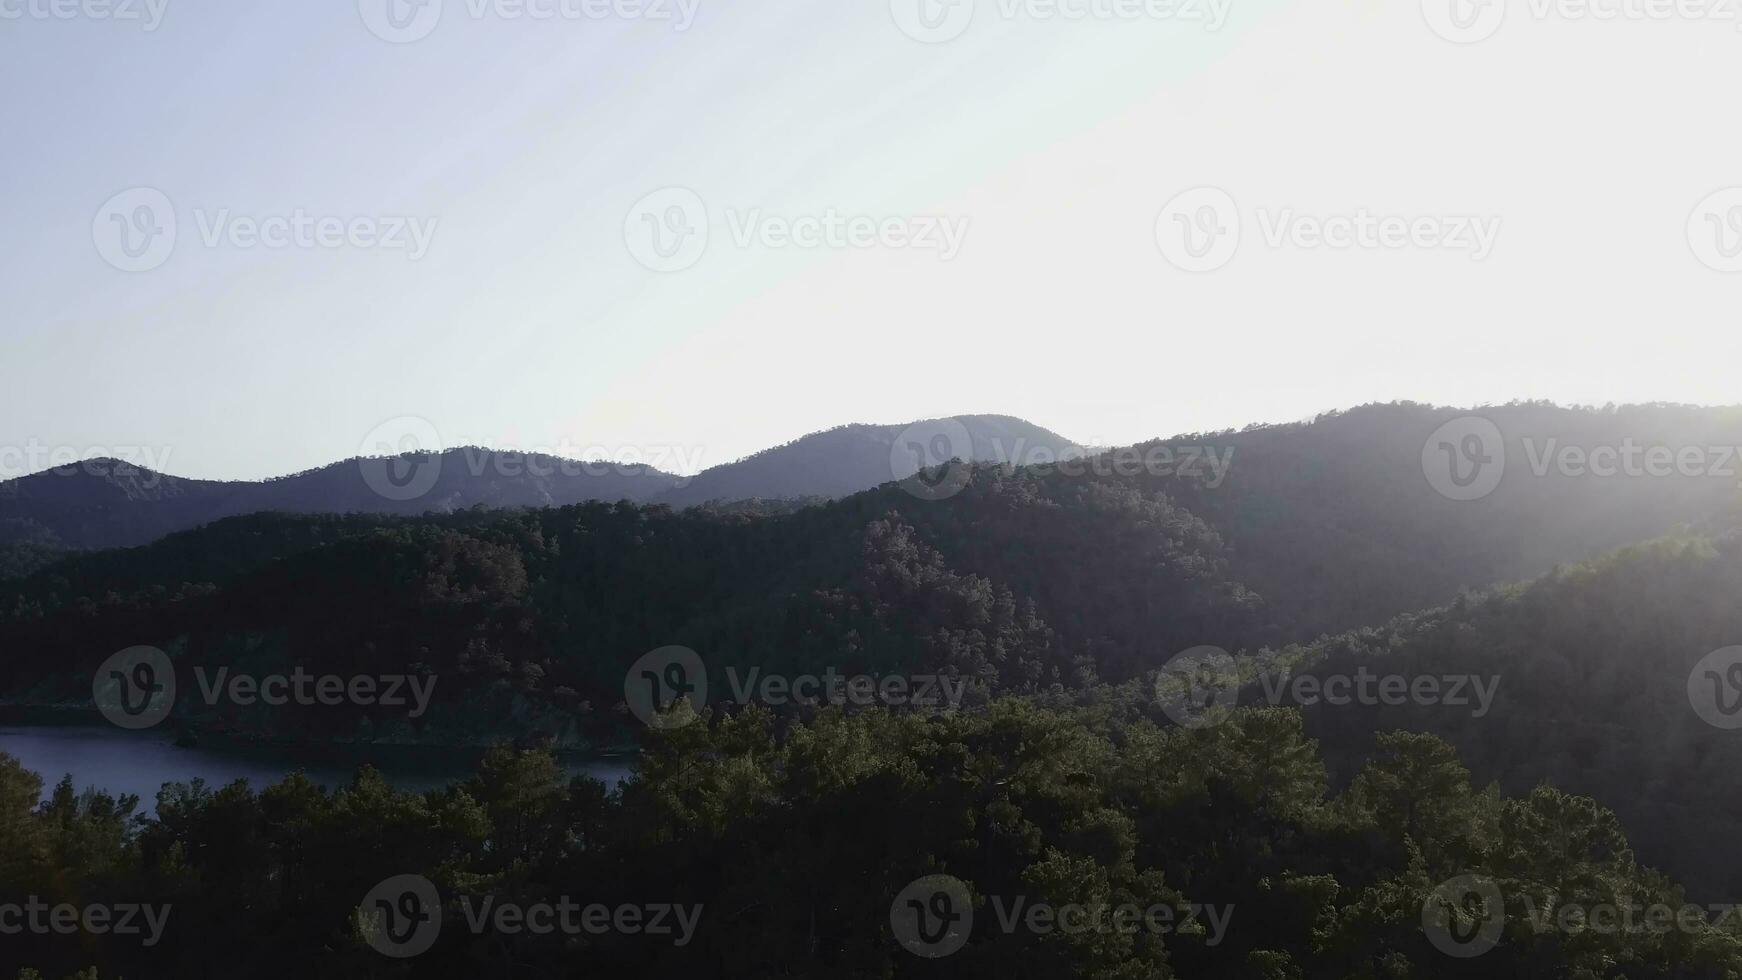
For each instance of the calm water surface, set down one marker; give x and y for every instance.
(141, 762)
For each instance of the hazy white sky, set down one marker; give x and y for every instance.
(993, 222)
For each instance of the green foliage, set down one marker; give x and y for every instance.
(795, 837)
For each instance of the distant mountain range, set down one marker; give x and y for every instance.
(107, 503)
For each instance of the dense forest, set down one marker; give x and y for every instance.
(1053, 597)
(786, 846)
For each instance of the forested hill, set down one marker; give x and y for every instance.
(1068, 586)
(1017, 584)
(1018, 577)
(1609, 681)
(1337, 523)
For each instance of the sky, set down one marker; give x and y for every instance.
(243, 240)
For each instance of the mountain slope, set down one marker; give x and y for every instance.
(555, 604)
(1336, 523)
(1603, 684)
(851, 458)
(112, 504)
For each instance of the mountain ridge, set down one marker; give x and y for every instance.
(107, 503)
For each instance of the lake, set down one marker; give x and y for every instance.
(141, 762)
